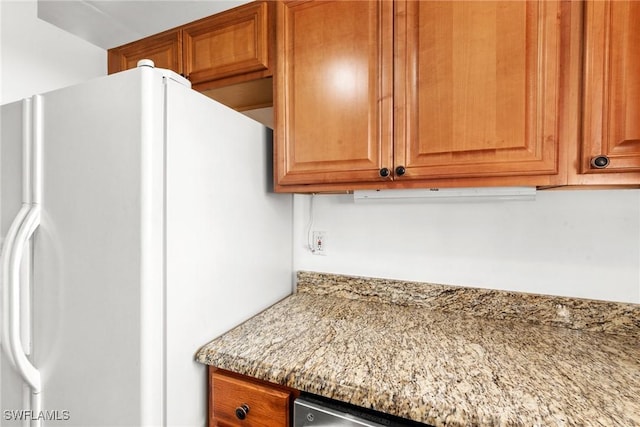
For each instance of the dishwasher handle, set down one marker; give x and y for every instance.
(309, 413)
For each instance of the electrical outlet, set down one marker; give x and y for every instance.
(319, 243)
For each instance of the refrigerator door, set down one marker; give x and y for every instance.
(228, 238)
(157, 234)
(14, 394)
(90, 255)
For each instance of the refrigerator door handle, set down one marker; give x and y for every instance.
(13, 344)
(7, 251)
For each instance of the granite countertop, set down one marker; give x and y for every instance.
(445, 355)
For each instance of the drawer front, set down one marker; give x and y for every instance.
(267, 406)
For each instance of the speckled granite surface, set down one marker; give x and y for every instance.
(574, 313)
(442, 357)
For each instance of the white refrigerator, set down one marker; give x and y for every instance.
(137, 223)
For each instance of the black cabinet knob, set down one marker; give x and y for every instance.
(600, 162)
(384, 172)
(400, 170)
(242, 411)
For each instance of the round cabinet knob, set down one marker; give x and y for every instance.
(400, 170)
(600, 162)
(384, 172)
(242, 411)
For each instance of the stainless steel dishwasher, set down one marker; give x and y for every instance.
(310, 411)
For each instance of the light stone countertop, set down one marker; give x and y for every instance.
(443, 355)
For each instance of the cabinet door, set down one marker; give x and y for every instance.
(611, 119)
(229, 43)
(477, 88)
(164, 49)
(333, 91)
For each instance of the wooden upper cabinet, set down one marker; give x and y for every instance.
(164, 49)
(434, 92)
(228, 56)
(227, 48)
(477, 88)
(229, 43)
(333, 91)
(611, 99)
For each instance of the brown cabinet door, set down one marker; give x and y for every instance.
(240, 401)
(333, 91)
(229, 43)
(477, 88)
(611, 117)
(164, 49)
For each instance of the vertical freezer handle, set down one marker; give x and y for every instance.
(10, 238)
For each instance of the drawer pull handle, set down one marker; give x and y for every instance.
(242, 411)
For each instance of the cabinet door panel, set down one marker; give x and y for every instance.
(611, 124)
(164, 49)
(477, 88)
(228, 44)
(333, 91)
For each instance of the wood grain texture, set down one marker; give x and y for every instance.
(246, 95)
(476, 94)
(235, 42)
(477, 88)
(611, 101)
(333, 91)
(269, 404)
(164, 49)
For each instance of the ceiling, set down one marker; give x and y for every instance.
(111, 23)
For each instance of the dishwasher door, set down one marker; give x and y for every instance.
(309, 413)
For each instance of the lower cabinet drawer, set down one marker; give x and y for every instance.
(235, 400)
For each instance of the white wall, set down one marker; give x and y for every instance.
(572, 243)
(37, 57)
